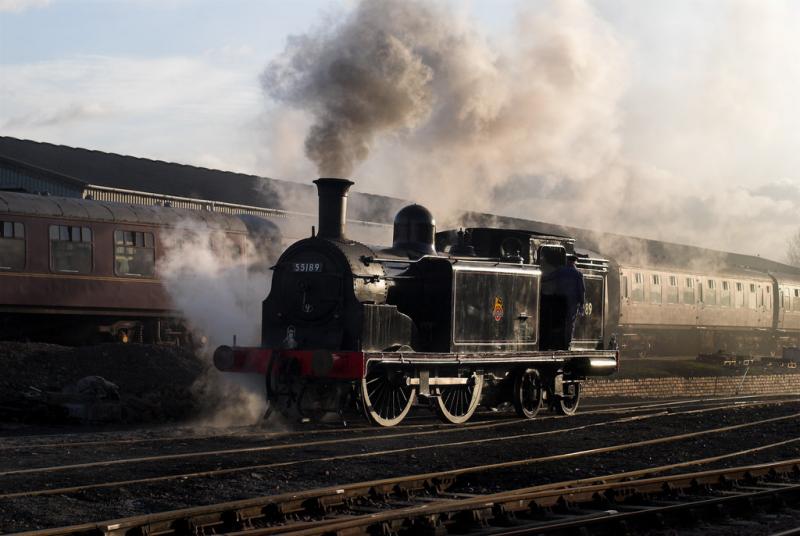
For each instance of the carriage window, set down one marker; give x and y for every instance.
(725, 298)
(134, 253)
(672, 290)
(12, 246)
(796, 300)
(740, 302)
(226, 247)
(637, 292)
(710, 294)
(752, 297)
(70, 249)
(688, 291)
(625, 293)
(768, 298)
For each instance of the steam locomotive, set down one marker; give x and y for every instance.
(448, 319)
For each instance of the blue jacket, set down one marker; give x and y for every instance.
(567, 281)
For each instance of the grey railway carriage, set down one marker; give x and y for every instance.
(669, 310)
(449, 320)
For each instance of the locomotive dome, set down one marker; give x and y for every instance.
(415, 230)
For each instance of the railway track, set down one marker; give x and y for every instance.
(489, 420)
(612, 506)
(51, 486)
(396, 492)
(415, 505)
(481, 418)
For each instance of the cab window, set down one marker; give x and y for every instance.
(12, 246)
(134, 253)
(70, 249)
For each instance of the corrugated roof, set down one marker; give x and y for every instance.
(84, 167)
(118, 171)
(66, 207)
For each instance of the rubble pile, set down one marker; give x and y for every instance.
(103, 383)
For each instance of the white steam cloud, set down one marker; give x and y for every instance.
(216, 281)
(415, 100)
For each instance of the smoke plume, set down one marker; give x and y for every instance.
(357, 81)
(455, 109)
(555, 120)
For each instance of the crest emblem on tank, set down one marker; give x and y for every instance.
(498, 310)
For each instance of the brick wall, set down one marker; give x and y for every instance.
(701, 386)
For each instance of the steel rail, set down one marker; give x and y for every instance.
(593, 409)
(273, 465)
(583, 482)
(377, 437)
(790, 532)
(325, 497)
(504, 503)
(220, 472)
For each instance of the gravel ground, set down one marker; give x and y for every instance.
(305, 471)
(34, 434)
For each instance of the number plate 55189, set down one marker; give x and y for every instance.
(307, 267)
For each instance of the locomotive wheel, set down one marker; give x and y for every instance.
(456, 403)
(385, 396)
(568, 405)
(528, 393)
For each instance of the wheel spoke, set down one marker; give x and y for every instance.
(457, 402)
(386, 402)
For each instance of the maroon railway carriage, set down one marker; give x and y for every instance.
(74, 270)
(386, 327)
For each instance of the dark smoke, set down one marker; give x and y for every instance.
(357, 80)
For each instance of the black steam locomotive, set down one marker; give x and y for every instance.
(452, 319)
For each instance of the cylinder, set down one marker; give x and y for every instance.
(332, 207)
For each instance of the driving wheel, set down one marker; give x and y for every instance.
(568, 403)
(528, 393)
(456, 403)
(385, 396)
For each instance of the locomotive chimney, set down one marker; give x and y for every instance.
(332, 207)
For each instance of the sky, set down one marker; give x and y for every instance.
(670, 120)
